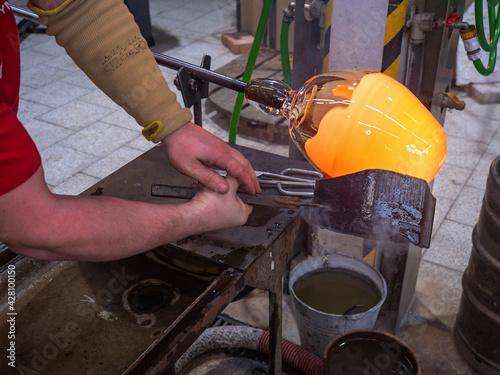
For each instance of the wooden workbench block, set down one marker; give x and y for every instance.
(238, 42)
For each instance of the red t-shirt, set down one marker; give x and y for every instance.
(19, 157)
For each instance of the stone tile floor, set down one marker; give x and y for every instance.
(83, 137)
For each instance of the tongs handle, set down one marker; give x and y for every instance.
(183, 192)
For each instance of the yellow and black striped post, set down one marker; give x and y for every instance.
(328, 30)
(396, 17)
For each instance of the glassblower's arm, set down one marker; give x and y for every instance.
(105, 42)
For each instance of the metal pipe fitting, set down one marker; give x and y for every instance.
(420, 23)
(289, 12)
(317, 9)
(471, 43)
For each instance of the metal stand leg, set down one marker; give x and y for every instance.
(267, 274)
(275, 332)
(398, 263)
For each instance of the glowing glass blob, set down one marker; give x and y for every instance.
(348, 121)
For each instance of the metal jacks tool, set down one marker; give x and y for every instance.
(182, 192)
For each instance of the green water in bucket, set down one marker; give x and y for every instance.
(336, 292)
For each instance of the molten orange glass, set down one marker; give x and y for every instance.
(384, 126)
(348, 121)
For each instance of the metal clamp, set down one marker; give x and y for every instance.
(193, 89)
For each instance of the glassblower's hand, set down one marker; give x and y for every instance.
(192, 150)
(221, 210)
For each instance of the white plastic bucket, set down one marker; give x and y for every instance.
(317, 328)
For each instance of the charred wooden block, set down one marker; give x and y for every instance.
(375, 204)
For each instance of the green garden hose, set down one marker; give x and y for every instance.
(494, 33)
(247, 75)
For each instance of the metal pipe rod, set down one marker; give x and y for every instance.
(24, 13)
(199, 72)
(166, 61)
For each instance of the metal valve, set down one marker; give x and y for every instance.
(450, 100)
(420, 23)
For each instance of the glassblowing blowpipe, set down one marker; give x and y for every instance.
(348, 121)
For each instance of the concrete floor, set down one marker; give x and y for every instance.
(83, 137)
